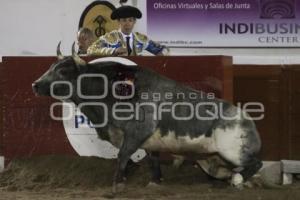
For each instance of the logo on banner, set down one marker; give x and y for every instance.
(277, 9)
(96, 17)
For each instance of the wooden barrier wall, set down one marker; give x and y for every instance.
(27, 128)
(1, 116)
(277, 87)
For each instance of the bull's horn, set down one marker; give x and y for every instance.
(76, 58)
(58, 52)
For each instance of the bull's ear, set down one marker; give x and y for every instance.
(79, 61)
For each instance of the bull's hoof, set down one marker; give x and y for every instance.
(153, 185)
(109, 195)
(118, 188)
(249, 184)
(239, 186)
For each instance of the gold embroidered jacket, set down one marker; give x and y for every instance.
(108, 43)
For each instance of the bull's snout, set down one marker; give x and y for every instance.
(35, 87)
(41, 88)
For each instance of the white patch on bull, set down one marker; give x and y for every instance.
(229, 142)
(179, 144)
(116, 136)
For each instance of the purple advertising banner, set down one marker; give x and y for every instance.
(224, 23)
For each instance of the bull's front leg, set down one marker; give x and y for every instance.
(135, 135)
(119, 177)
(129, 146)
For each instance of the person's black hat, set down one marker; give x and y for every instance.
(125, 12)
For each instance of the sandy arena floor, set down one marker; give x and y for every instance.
(66, 178)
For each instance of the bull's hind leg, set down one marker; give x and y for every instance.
(238, 143)
(154, 164)
(251, 168)
(216, 167)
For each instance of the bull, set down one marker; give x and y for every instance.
(225, 143)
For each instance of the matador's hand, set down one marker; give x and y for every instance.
(120, 52)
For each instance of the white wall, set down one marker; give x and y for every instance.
(34, 27)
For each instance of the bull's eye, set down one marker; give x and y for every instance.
(64, 72)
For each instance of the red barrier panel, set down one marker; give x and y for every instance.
(27, 128)
(1, 116)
